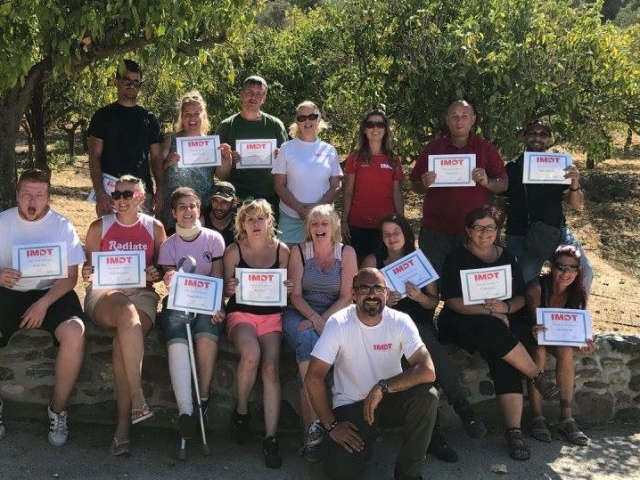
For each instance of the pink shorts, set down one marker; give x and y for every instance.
(263, 324)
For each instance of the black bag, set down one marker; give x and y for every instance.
(542, 239)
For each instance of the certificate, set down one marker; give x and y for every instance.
(118, 269)
(41, 260)
(414, 268)
(453, 170)
(263, 287)
(256, 153)
(199, 151)
(565, 327)
(480, 284)
(189, 292)
(109, 184)
(546, 167)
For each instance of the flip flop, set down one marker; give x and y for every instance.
(140, 414)
(120, 448)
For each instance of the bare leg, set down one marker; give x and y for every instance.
(565, 376)
(244, 339)
(520, 359)
(70, 335)
(206, 353)
(511, 406)
(535, 399)
(270, 344)
(123, 393)
(306, 410)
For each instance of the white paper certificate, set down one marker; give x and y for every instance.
(109, 184)
(565, 327)
(255, 153)
(414, 268)
(198, 151)
(453, 170)
(263, 287)
(480, 284)
(189, 292)
(41, 260)
(546, 167)
(118, 269)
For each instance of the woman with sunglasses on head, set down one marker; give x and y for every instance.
(398, 240)
(372, 185)
(493, 328)
(322, 271)
(193, 121)
(306, 172)
(561, 287)
(129, 312)
(256, 331)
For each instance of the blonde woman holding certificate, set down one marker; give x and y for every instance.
(129, 312)
(256, 331)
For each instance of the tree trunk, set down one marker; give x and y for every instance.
(37, 121)
(591, 164)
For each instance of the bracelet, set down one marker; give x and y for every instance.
(331, 426)
(575, 189)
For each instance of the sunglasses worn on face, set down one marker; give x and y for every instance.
(126, 194)
(375, 125)
(126, 81)
(484, 228)
(304, 118)
(376, 289)
(535, 133)
(564, 267)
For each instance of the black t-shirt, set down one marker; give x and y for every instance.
(127, 133)
(543, 202)
(228, 233)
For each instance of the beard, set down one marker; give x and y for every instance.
(371, 309)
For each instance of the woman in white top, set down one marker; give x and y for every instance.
(306, 172)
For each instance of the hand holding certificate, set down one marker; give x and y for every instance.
(453, 170)
(256, 153)
(42, 260)
(199, 151)
(482, 284)
(193, 293)
(109, 184)
(265, 287)
(563, 327)
(123, 269)
(546, 167)
(414, 268)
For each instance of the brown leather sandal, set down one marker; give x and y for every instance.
(518, 448)
(539, 429)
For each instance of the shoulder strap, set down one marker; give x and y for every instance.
(239, 251)
(301, 254)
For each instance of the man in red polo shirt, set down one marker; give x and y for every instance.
(445, 208)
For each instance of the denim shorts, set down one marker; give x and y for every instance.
(302, 341)
(175, 331)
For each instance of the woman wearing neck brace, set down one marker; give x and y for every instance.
(206, 247)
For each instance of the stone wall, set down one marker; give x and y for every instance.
(607, 382)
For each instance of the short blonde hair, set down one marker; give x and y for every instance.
(260, 205)
(135, 181)
(294, 131)
(193, 98)
(324, 211)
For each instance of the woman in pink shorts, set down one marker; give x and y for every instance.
(256, 331)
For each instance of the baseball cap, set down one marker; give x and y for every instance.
(538, 123)
(223, 190)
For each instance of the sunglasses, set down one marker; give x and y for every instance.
(564, 267)
(534, 133)
(375, 125)
(129, 81)
(254, 200)
(126, 194)
(304, 118)
(484, 228)
(376, 289)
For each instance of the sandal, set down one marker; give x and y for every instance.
(140, 414)
(120, 448)
(570, 430)
(547, 388)
(518, 448)
(539, 429)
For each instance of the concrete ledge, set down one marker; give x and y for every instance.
(607, 382)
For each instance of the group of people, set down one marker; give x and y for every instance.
(384, 349)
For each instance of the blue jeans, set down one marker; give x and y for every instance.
(301, 341)
(174, 328)
(531, 265)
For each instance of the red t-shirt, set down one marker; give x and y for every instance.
(445, 209)
(373, 189)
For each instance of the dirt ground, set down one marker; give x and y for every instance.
(607, 226)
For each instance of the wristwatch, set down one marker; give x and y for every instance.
(383, 385)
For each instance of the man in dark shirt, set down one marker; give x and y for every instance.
(220, 214)
(125, 138)
(540, 202)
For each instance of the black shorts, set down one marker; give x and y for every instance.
(15, 303)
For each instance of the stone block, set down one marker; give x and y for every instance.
(224, 376)
(629, 344)
(156, 369)
(468, 376)
(20, 356)
(42, 370)
(98, 392)
(6, 374)
(102, 357)
(634, 383)
(595, 407)
(611, 363)
(628, 414)
(38, 339)
(486, 388)
(42, 391)
(634, 365)
(588, 373)
(588, 362)
(596, 384)
(618, 378)
(622, 398)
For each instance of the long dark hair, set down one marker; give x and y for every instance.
(409, 237)
(363, 152)
(576, 297)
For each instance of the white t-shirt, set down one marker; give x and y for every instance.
(362, 355)
(53, 227)
(206, 248)
(308, 167)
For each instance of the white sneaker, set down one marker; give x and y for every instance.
(2, 429)
(58, 431)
